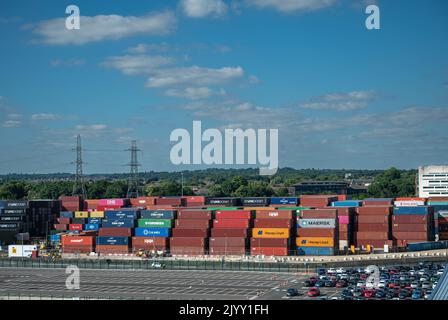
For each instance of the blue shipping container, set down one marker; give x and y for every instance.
(439, 208)
(118, 223)
(287, 200)
(412, 210)
(347, 203)
(423, 246)
(94, 220)
(120, 214)
(91, 227)
(2, 204)
(55, 238)
(66, 214)
(315, 251)
(119, 241)
(157, 214)
(153, 232)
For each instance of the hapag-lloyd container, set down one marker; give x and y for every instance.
(272, 223)
(118, 241)
(152, 232)
(112, 202)
(270, 233)
(284, 201)
(118, 223)
(273, 214)
(315, 242)
(317, 223)
(305, 232)
(194, 233)
(115, 232)
(228, 242)
(158, 214)
(238, 233)
(192, 223)
(194, 214)
(269, 251)
(254, 242)
(236, 214)
(319, 214)
(231, 223)
(155, 223)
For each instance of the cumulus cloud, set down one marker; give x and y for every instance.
(137, 64)
(203, 8)
(193, 75)
(290, 6)
(103, 27)
(45, 117)
(11, 124)
(340, 101)
(143, 48)
(193, 93)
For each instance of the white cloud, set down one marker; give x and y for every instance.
(136, 64)
(11, 124)
(193, 75)
(45, 117)
(93, 127)
(70, 62)
(142, 47)
(203, 8)
(14, 116)
(289, 6)
(193, 93)
(340, 101)
(103, 27)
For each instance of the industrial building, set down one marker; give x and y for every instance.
(433, 181)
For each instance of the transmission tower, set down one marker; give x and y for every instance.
(79, 188)
(133, 184)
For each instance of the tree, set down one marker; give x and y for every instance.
(14, 190)
(392, 183)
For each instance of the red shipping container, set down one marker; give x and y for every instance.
(115, 232)
(344, 227)
(374, 227)
(368, 235)
(372, 219)
(231, 223)
(344, 211)
(272, 223)
(77, 241)
(260, 242)
(171, 201)
(237, 233)
(319, 214)
(114, 249)
(409, 219)
(107, 208)
(143, 201)
(317, 200)
(77, 249)
(60, 227)
(234, 214)
(195, 199)
(228, 251)
(195, 214)
(267, 251)
(188, 242)
(273, 214)
(422, 236)
(201, 233)
(374, 210)
(149, 243)
(228, 242)
(376, 203)
(316, 232)
(75, 227)
(188, 250)
(415, 227)
(163, 207)
(64, 220)
(192, 224)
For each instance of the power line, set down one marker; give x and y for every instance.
(133, 184)
(79, 188)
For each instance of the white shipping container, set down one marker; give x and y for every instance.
(343, 244)
(409, 203)
(19, 251)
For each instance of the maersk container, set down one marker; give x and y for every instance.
(119, 241)
(347, 203)
(91, 227)
(315, 251)
(153, 232)
(66, 214)
(412, 210)
(118, 223)
(120, 214)
(158, 214)
(94, 221)
(284, 201)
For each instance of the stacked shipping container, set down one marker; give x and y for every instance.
(372, 225)
(412, 224)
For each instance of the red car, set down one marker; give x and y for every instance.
(369, 293)
(313, 292)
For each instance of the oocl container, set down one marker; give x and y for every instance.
(270, 233)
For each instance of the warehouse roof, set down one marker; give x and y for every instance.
(441, 290)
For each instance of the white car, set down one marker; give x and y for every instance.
(426, 285)
(428, 294)
(440, 272)
(361, 284)
(414, 285)
(340, 270)
(434, 284)
(382, 284)
(331, 270)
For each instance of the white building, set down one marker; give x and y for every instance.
(433, 181)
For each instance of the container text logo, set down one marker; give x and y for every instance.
(73, 280)
(189, 150)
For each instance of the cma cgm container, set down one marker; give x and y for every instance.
(77, 244)
(284, 201)
(270, 233)
(155, 223)
(118, 223)
(153, 232)
(158, 214)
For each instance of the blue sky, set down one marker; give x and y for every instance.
(341, 96)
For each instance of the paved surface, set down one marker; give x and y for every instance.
(151, 284)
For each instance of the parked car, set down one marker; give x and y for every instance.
(313, 292)
(292, 292)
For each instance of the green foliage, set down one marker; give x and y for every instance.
(14, 190)
(168, 188)
(393, 183)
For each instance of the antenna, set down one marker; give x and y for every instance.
(79, 188)
(133, 175)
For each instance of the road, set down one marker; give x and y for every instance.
(151, 284)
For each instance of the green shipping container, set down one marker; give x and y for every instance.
(155, 223)
(440, 203)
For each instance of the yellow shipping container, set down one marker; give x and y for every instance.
(314, 242)
(81, 214)
(278, 233)
(97, 214)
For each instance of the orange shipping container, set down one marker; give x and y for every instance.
(314, 242)
(280, 233)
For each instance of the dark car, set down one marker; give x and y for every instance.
(329, 283)
(292, 292)
(319, 284)
(341, 284)
(380, 294)
(404, 294)
(308, 283)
